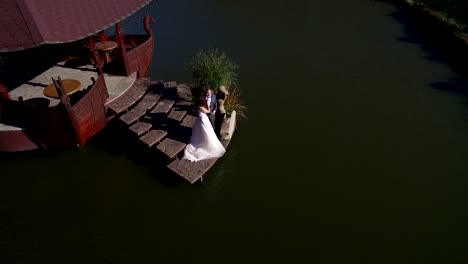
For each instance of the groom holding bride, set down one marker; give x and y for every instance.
(204, 142)
(212, 104)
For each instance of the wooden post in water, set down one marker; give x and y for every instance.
(69, 110)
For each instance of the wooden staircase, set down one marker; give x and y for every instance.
(161, 121)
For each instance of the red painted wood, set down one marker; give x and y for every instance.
(90, 111)
(53, 127)
(102, 36)
(140, 57)
(68, 108)
(97, 60)
(16, 140)
(123, 51)
(4, 93)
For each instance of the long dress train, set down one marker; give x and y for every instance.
(204, 144)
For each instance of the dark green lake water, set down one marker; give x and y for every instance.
(355, 151)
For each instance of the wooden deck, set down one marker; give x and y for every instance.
(34, 88)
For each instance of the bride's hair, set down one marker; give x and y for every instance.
(201, 102)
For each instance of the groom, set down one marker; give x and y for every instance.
(212, 105)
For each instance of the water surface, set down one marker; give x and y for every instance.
(354, 151)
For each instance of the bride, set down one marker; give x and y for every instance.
(204, 144)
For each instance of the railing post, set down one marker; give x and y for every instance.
(147, 22)
(99, 63)
(102, 36)
(69, 110)
(123, 51)
(97, 59)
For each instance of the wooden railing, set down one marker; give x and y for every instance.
(135, 52)
(90, 111)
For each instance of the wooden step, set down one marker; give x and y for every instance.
(191, 171)
(121, 104)
(147, 103)
(184, 103)
(130, 97)
(176, 114)
(163, 106)
(140, 128)
(153, 136)
(130, 117)
(171, 147)
(171, 84)
(139, 89)
(188, 121)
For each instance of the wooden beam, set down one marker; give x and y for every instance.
(147, 22)
(120, 41)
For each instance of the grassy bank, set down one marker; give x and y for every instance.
(454, 11)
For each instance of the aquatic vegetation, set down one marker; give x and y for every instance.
(234, 102)
(212, 69)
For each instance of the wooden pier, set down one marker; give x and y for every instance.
(160, 116)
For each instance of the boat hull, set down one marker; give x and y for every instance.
(52, 127)
(16, 141)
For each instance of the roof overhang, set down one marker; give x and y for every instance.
(29, 23)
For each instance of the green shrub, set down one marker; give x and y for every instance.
(212, 69)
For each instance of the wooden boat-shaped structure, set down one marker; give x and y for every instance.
(57, 43)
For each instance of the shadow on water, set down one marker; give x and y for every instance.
(117, 140)
(436, 41)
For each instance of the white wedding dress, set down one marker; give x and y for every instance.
(204, 144)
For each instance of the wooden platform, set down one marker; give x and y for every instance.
(193, 171)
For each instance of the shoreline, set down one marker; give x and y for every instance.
(439, 25)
